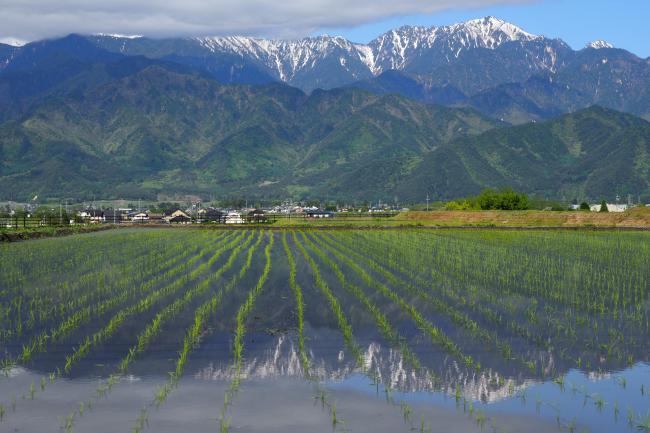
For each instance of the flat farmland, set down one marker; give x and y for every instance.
(326, 330)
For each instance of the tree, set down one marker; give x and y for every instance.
(506, 199)
(603, 206)
(584, 206)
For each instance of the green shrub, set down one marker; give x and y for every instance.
(603, 206)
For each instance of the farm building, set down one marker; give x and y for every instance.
(234, 218)
(211, 215)
(93, 215)
(610, 207)
(177, 217)
(139, 217)
(319, 214)
(257, 216)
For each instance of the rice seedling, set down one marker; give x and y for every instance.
(238, 345)
(297, 291)
(344, 325)
(643, 422)
(387, 330)
(500, 308)
(434, 333)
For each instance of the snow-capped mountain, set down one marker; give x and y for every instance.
(288, 58)
(394, 49)
(332, 61)
(599, 44)
(12, 42)
(447, 65)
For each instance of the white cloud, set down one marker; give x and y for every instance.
(36, 19)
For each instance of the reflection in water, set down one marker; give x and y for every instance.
(272, 375)
(385, 364)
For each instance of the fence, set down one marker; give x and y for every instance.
(23, 221)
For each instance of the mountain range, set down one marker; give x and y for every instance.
(444, 111)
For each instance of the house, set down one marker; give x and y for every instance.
(139, 217)
(112, 216)
(234, 218)
(617, 208)
(94, 216)
(257, 216)
(211, 215)
(319, 214)
(177, 217)
(155, 218)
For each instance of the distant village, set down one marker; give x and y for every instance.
(199, 213)
(193, 213)
(196, 213)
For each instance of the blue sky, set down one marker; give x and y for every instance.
(624, 23)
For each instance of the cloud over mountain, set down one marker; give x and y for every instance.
(36, 19)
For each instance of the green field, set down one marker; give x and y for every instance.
(475, 316)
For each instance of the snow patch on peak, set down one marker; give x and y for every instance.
(488, 32)
(597, 45)
(286, 57)
(391, 50)
(14, 42)
(118, 36)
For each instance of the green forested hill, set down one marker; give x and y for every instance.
(164, 131)
(592, 153)
(106, 125)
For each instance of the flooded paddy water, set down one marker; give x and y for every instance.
(319, 331)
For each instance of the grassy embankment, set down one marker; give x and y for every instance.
(634, 218)
(21, 234)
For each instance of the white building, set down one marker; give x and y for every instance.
(234, 218)
(140, 217)
(610, 207)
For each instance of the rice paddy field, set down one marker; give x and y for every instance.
(196, 330)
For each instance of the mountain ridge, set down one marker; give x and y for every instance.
(134, 117)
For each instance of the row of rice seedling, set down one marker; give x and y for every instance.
(153, 328)
(442, 307)
(53, 260)
(361, 247)
(604, 261)
(50, 310)
(416, 260)
(321, 394)
(435, 334)
(199, 330)
(133, 292)
(335, 306)
(238, 341)
(300, 306)
(141, 306)
(55, 308)
(346, 329)
(446, 299)
(23, 300)
(387, 330)
(133, 310)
